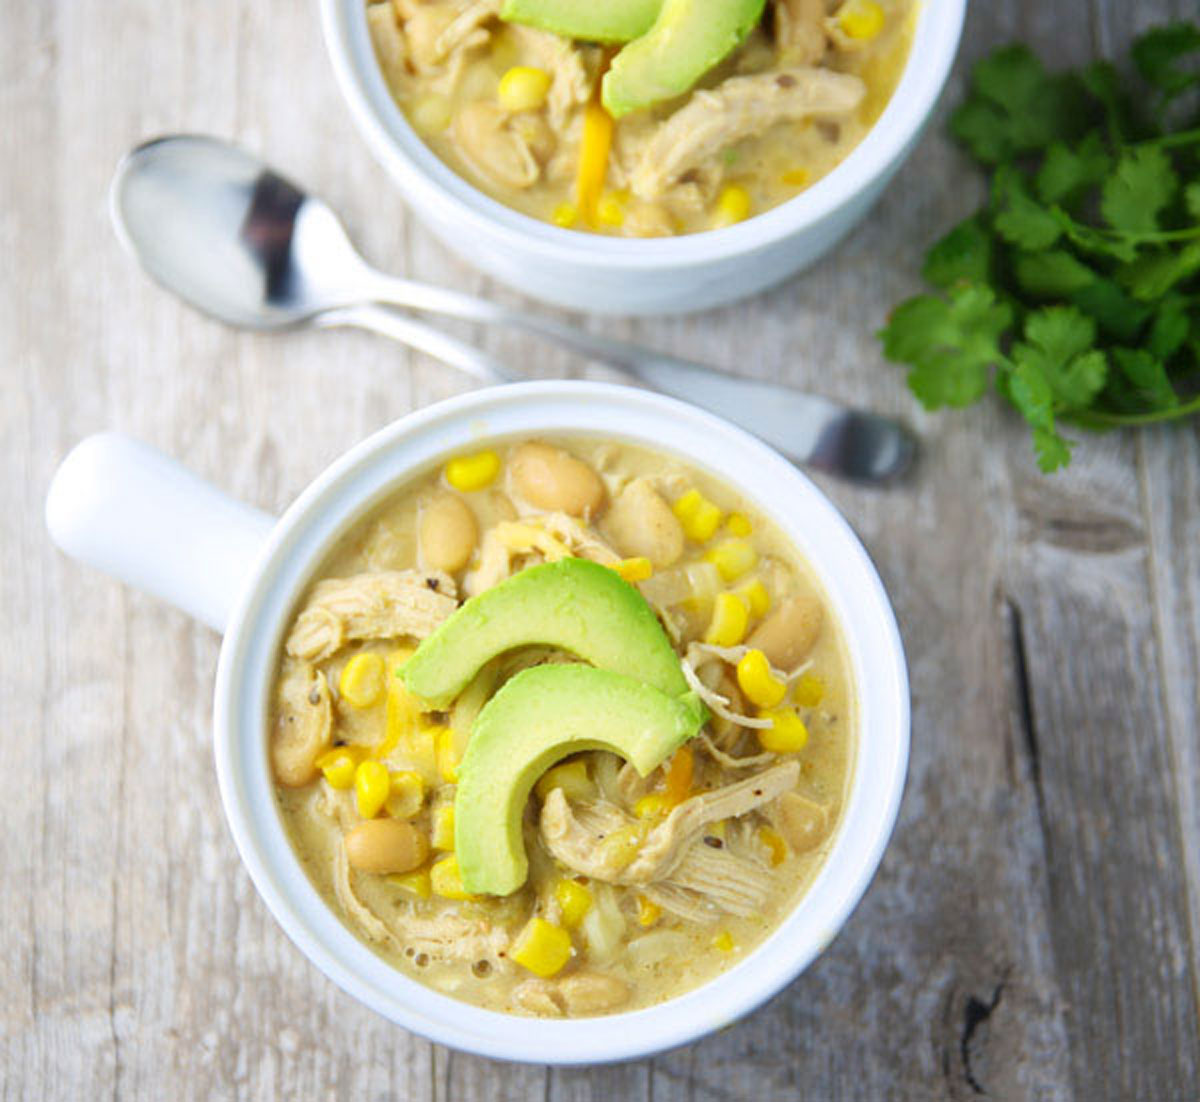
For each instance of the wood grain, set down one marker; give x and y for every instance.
(1034, 929)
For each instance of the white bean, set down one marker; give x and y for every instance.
(550, 478)
(448, 533)
(640, 523)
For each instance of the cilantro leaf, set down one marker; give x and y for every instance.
(964, 255)
(1152, 275)
(1067, 171)
(1113, 310)
(1191, 199)
(1019, 218)
(1051, 274)
(1060, 345)
(1143, 379)
(1141, 185)
(1169, 330)
(1157, 54)
(952, 343)
(1030, 392)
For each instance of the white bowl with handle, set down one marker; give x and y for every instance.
(614, 275)
(123, 507)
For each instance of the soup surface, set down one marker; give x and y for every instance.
(524, 114)
(637, 887)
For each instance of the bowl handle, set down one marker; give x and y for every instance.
(127, 509)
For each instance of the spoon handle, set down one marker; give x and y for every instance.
(805, 427)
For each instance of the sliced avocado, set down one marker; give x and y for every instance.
(586, 20)
(688, 38)
(540, 716)
(574, 604)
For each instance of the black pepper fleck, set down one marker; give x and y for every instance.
(711, 840)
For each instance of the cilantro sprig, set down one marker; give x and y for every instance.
(1075, 291)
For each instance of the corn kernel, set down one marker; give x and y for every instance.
(775, 845)
(406, 794)
(371, 786)
(574, 901)
(699, 516)
(755, 679)
(738, 525)
(570, 776)
(787, 736)
(565, 215)
(796, 177)
(402, 709)
(337, 766)
(732, 557)
(648, 912)
(634, 570)
(441, 834)
(755, 594)
(679, 776)
(729, 621)
(445, 879)
(610, 211)
(654, 805)
(447, 755)
(542, 947)
(860, 19)
(733, 205)
(416, 884)
(419, 751)
(467, 473)
(810, 690)
(361, 682)
(523, 88)
(622, 845)
(723, 942)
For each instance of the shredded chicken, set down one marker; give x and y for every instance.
(303, 724)
(564, 60)
(718, 704)
(386, 605)
(729, 760)
(804, 823)
(739, 108)
(721, 879)
(553, 536)
(391, 47)
(800, 30)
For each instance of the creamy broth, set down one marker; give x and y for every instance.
(818, 88)
(635, 944)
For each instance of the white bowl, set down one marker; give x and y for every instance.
(122, 506)
(639, 276)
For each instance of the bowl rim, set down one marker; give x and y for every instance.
(350, 487)
(433, 187)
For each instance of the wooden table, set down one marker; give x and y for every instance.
(1035, 928)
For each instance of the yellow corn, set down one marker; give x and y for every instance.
(755, 594)
(723, 942)
(738, 525)
(733, 205)
(593, 159)
(653, 805)
(565, 215)
(447, 755)
(338, 765)
(809, 691)
(775, 844)
(441, 836)
(467, 473)
(732, 557)
(861, 19)
(542, 947)
(517, 536)
(416, 884)
(445, 879)
(419, 748)
(634, 570)
(729, 620)
(523, 88)
(699, 516)
(648, 912)
(361, 682)
(787, 736)
(402, 709)
(406, 794)
(371, 786)
(678, 784)
(622, 845)
(570, 776)
(610, 211)
(795, 177)
(574, 901)
(755, 679)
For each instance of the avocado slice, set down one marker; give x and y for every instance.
(586, 20)
(539, 716)
(574, 604)
(688, 38)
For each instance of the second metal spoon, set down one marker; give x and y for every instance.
(238, 241)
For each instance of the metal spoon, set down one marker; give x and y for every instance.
(241, 243)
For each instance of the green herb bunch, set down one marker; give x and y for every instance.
(1075, 291)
